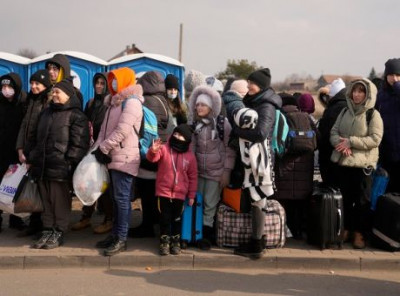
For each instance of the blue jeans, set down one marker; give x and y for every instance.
(121, 184)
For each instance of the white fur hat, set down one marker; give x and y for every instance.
(246, 118)
(240, 86)
(336, 86)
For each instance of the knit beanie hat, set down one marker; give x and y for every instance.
(240, 86)
(288, 99)
(41, 76)
(185, 130)
(66, 86)
(336, 86)
(215, 83)
(392, 66)
(262, 78)
(193, 79)
(171, 81)
(6, 80)
(204, 99)
(306, 103)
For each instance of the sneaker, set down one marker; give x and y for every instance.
(164, 245)
(105, 227)
(82, 224)
(107, 242)
(116, 247)
(358, 242)
(254, 249)
(175, 248)
(55, 240)
(43, 239)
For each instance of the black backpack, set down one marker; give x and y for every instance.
(302, 137)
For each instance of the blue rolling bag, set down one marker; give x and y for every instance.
(380, 179)
(192, 221)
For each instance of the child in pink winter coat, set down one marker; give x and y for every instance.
(176, 180)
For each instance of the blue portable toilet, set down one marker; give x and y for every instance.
(14, 63)
(143, 62)
(83, 68)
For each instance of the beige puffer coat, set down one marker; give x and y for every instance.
(352, 123)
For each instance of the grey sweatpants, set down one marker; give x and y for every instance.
(57, 203)
(211, 194)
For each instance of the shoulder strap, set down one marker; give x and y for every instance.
(369, 115)
(165, 109)
(221, 126)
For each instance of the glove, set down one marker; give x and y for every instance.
(225, 178)
(101, 157)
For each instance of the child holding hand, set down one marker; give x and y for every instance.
(176, 180)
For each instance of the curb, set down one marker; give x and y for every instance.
(195, 261)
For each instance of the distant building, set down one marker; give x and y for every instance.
(130, 49)
(327, 79)
(302, 86)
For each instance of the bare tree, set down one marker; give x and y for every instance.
(27, 53)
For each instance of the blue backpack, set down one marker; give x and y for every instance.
(280, 133)
(148, 129)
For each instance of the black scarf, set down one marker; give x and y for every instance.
(178, 145)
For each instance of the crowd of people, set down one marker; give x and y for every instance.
(201, 140)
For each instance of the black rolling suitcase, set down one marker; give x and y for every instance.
(386, 227)
(325, 217)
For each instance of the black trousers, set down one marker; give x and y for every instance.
(355, 186)
(170, 215)
(104, 202)
(145, 189)
(394, 176)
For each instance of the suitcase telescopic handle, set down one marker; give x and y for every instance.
(340, 221)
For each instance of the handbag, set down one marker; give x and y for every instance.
(27, 199)
(9, 186)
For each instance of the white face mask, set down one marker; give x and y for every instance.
(8, 92)
(114, 85)
(172, 96)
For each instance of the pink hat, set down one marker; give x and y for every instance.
(240, 86)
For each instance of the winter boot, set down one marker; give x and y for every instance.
(175, 245)
(164, 245)
(46, 234)
(117, 246)
(254, 249)
(358, 241)
(55, 240)
(107, 242)
(104, 227)
(205, 243)
(82, 224)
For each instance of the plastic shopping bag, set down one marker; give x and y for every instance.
(90, 180)
(28, 199)
(8, 188)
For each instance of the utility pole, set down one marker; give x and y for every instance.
(180, 42)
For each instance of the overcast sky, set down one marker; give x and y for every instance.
(288, 36)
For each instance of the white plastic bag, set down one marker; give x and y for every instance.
(8, 188)
(90, 180)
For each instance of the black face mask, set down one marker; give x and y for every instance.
(178, 145)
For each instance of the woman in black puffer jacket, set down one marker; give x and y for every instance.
(62, 140)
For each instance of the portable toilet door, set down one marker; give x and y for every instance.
(14, 63)
(144, 62)
(83, 68)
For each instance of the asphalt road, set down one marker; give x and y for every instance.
(122, 282)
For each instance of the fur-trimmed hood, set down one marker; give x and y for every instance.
(213, 94)
(116, 100)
